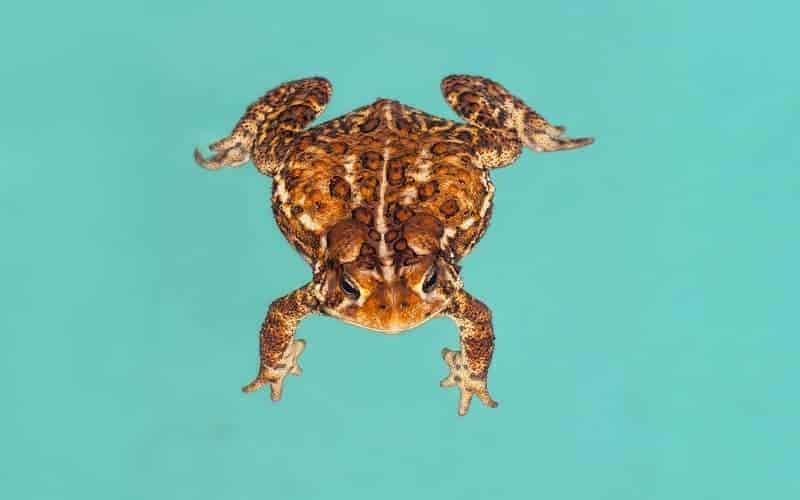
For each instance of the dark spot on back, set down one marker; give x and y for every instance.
(369, 189)
(396, 171)
(339, 188)
(371, 160)
(440, 148)
(428, 190)
(370, 125)
(464, 136)
(363, 216)
(403, 214)
(449, 208)
(402, 125)
(367, 249)
(391, 236)
(337, 148)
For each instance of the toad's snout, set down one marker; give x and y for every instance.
(393, 308)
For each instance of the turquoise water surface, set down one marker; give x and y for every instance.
(645, 289)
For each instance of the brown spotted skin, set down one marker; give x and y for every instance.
(383, 202)
(380, 165)
(489, 106)
(269, 125)
(279, 350)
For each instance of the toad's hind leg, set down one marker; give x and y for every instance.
(504, 117)
(269, 125)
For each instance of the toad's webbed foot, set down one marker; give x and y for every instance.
(542, 137)
(275, 376)
(232, 151)
(468, 384)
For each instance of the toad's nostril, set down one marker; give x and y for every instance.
(381, 306)
(404, 304)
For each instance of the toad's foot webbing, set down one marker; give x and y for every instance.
(275, 376)
(468, 385)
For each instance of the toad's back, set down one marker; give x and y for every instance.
(380, 166)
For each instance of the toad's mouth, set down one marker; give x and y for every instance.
(389, 323)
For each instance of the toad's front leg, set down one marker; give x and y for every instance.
(469, 367)
(279, 350)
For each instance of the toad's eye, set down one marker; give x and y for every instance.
(349, 288)
(430, 281)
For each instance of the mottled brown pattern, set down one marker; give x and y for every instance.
(474, 321)
(269, 125)
(279, 352)
(383, 202)
(488, 105)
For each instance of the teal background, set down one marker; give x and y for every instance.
(644, 289)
